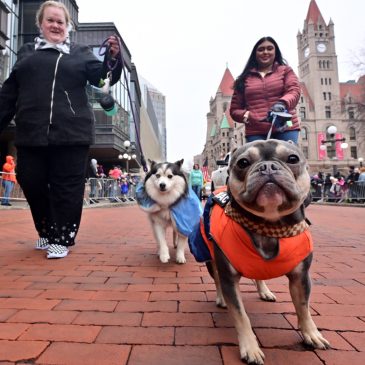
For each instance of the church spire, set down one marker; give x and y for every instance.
(226, 85)
(314, 14)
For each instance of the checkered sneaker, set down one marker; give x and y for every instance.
(42, 244)
(265, 229)
(56, 251)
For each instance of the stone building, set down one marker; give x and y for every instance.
(325, 102)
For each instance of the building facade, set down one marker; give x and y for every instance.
(325, 102)
(17, 26)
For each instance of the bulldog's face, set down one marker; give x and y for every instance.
(269, 178)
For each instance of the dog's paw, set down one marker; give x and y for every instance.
(315, 340)
(164, 258)
(264, 292)
(180, 259)
(220, 302)
(253, 356)
(267, 296)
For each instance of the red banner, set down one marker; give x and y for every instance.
(321, 153)
(339, 150)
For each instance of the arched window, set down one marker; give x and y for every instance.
(304, 134)
(302, 112)
(351, 112)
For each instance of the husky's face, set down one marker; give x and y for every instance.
(165, 183)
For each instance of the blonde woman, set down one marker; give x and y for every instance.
(46, 94)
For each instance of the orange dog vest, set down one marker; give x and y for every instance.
(239, 249)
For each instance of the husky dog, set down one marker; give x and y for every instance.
(168, 201)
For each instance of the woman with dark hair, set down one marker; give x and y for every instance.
(267, 84)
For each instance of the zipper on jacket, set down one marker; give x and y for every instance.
(69, 103)
(53, 86)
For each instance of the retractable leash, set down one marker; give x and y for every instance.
(105, 87)
(284, 121)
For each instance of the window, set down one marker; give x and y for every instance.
(3, 25)
(321, 80)
(328, 112)
(353, 151)
(351, 113)
(320, 64)
(329, 96)
(352, 134)
(304, 134)
(324, 96)
(325, 81)
(302, 112)
(329, 81)
(305, 151)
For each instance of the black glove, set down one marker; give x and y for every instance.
(278, 107)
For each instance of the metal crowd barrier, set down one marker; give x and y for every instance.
(354, 193)
(16, 193)
(96, 190)
(106, 189)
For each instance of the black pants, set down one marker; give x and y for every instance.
(53, 182)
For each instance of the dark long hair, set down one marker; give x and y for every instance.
(252, 62)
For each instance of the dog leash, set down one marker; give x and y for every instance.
(104, 49)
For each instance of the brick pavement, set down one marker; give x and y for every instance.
(111, 301)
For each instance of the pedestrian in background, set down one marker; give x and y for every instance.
(8, 179)
(196, 180)
(267, 84)
(93, 175)
(46, 92)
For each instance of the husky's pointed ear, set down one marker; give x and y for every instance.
(152, 163)
(180, 162)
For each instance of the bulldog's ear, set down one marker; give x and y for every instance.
(180, 162)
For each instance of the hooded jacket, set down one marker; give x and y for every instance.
(46, 93)
(259, 95)
(9, 169)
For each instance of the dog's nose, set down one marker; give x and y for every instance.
(268, 168)
(162, 186)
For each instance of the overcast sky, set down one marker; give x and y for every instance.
(183, 47)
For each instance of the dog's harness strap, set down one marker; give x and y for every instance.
(222, 198)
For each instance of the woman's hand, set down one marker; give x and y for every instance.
(114, 46)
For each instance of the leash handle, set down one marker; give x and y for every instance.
(103, 50)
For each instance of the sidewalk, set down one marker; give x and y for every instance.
(112, 302)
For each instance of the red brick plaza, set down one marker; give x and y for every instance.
(112, 302)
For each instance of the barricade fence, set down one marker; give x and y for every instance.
(354, 193)
(96, 189)
(107, 189)
(16, 193)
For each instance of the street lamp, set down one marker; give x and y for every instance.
(361, 160)
(127, 144)
(331, 130)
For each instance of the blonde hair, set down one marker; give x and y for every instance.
(57, 4)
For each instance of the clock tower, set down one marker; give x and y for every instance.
(320, 104)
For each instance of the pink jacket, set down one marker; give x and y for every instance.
(260, 93)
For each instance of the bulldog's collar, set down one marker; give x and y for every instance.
(278, 231)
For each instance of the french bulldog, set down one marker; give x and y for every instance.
(268, 189)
